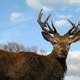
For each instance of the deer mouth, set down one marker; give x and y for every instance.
(62, 56)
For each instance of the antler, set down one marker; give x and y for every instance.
(44, 25)
(75, 31)
(72, 30)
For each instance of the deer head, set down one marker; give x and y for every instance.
(60, 43)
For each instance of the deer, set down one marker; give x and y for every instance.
(31, 66)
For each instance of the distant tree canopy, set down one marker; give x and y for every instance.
(15, 47)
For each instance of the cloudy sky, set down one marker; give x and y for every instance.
(18, 23)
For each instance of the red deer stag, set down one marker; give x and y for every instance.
(31, 66)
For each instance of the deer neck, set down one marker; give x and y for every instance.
(53, 54)
(61, 61)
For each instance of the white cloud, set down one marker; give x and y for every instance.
(60, 23)
(15, 16)
(72, 78)
(38, 4)
(46, 9)
(73, 63)
(34, 3)
(73, 1)
(65, 16)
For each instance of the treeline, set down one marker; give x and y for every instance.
(15, 47)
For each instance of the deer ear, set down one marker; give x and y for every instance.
(47, 36)
(75, 38)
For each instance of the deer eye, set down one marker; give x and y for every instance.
(55, 42)
(69, 43)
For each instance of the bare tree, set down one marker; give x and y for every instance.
(14, 47)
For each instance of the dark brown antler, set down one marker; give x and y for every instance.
(75, 31)
(72, 30)
(44, 25)
(55, 31)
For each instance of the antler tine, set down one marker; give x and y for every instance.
(70, 22)
(55, 31)
(50, 29)
(46, 21)
(42, 24)
(77, 29)
(70, 32)
(40, 16)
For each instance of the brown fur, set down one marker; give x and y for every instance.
(29, 66)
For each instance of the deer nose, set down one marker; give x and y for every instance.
(64, 52)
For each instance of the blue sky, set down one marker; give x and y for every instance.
(18, 21)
